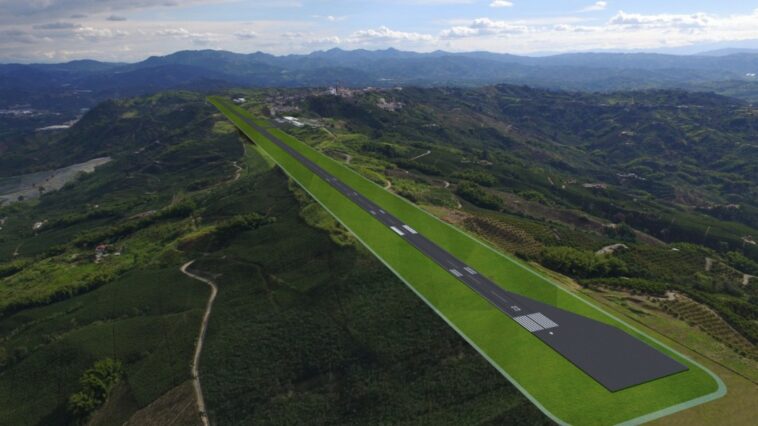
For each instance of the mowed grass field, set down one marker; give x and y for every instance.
(550, 381)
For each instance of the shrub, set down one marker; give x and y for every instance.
(621, 232)
(477, 196)
(96, 385)
(634, 284)
(582, 263)
(481, 177)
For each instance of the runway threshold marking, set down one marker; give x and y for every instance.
(528, 323)
(542, 320)
(409, 229)
(399, 232)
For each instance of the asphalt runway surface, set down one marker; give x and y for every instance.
(609, 355)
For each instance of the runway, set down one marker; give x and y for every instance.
(609, 355)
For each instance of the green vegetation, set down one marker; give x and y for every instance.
(651, 169)
(570, 394)
(477, 196)
(90, 272)
(478, 176)
(96, 385)
(582, 264)
(100, 280)
(147, 319)
(330, 335)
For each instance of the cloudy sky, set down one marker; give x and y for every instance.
(131, 30)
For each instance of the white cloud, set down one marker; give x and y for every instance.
(322, 41)
(384, 34)
(501, 3)
(96, 34)
(485, 27)
(459, 32)
(598, 5)
(622, 31)
(246, 34)
(63, 36)
(36, 10)
(196, 38)
(330, 18)
(636, 20)
(173, 32)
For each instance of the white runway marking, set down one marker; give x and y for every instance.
(399, 232)
(528, 323)
(542, 320)
(456, 273)
(409, 229)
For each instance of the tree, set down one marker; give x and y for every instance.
(621, 232)
(96, 383)
(582, 263)
(474, 194)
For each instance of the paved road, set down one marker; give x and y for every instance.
(609, 355)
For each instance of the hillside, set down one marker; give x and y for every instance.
(55, 93)
(645, 201)
(557, 176)
(302, 310)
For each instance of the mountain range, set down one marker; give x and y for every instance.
(211, 69)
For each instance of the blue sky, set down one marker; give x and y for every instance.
(130, 30)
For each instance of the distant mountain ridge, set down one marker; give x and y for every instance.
(200, 69)
(728, 60)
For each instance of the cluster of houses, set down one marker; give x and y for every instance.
(389, 106)
(104, 250)
(595, 185)
(290, 120)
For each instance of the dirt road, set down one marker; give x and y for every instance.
(200, 340)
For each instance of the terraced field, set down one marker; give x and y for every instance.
(513, 239)
(698, 315)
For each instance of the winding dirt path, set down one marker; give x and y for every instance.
(200, 340)
(238, 172)
(422, 155)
